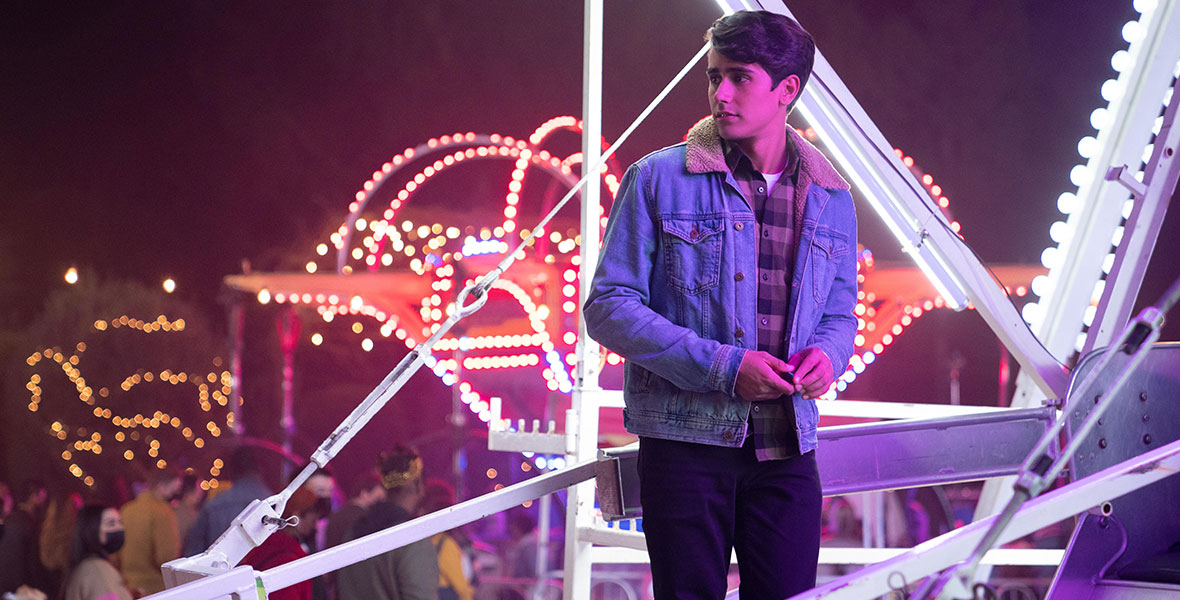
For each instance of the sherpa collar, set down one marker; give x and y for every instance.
(705, 154)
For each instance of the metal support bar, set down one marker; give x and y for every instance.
(237, 327)
(239, 583)
(878, 456)
(912, 453)
(395, 537)
(579, 510)
(868, 409)
(548, 442)
(1130, 117)
(262, 517)
(1040, 469)
(630, 547)
(1141, 231)
(950, 548)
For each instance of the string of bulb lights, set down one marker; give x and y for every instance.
(135, 437)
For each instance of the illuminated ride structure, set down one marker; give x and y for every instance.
(1116, 407)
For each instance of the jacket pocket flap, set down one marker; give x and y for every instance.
(693, 230)
(831, 241)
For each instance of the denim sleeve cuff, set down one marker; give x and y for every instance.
(839, 362)
(723, 372)
(828, 353)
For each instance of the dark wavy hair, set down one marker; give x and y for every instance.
(772, 41)
(84, 543)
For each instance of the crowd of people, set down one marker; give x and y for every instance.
(56, 545)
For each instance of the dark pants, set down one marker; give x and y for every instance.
(701, 502)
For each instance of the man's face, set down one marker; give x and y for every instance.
(745, 106)
(321, 485)
(171, 489)
(373, 496)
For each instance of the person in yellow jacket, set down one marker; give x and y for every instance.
(152, 535)
(453, 582)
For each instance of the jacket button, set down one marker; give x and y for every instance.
(727, 435)
(694, 234)
(757, 408)
(739, 277)
(738, 226)
(740, 332)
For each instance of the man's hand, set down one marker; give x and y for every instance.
(813, 372)
(760, 377)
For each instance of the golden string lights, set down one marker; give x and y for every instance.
(112, 427)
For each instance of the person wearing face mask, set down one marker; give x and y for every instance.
(153, 535)
(97, 535)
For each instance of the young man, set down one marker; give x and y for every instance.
(406, 573)
(151, 532)
(366, 490)
(728, 281)
(219, 512)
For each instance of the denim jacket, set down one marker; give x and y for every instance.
(675, 292)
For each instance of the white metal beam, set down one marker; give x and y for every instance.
(373, 544)
(1142, 229)
(1100, 203)
(1130, 117)
(583, 414)
(949, 549)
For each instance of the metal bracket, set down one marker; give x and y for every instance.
(1124, 176)
(548, 442)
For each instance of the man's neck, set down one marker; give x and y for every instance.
(768, 154)
(407, 505)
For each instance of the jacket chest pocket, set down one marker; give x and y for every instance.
(692, 251)
(828, 246)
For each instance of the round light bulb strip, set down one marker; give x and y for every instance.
(458, 147)
(1090, 147)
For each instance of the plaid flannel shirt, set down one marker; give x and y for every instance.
(772, 422)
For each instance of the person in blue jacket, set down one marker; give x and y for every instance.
(727, 280)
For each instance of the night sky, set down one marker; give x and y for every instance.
(146, 140)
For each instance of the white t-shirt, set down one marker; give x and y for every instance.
(772, 180)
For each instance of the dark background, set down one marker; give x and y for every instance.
(145, 140)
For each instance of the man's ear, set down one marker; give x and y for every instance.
(789, 89)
